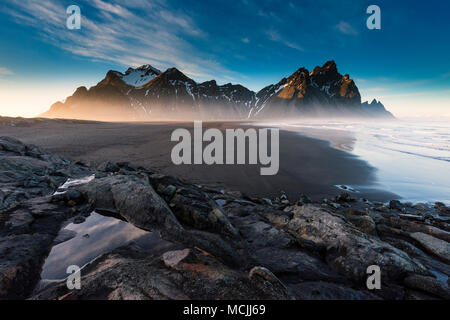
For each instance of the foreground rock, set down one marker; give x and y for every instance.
(221, 244)
(348, 249)
(129, 273)
(27, 171)
(435, 246)
(28, 220)
(133, 199)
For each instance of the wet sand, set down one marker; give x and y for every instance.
(307, 165)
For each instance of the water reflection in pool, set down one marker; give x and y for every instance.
(97, 235)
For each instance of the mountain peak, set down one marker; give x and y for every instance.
(302, 71)
(297, 79)
(145, 67)
(209, 83)
(173, 70)
(114, 78)
(175, 74)
(329, 65)
(148, 67)
(139, 76)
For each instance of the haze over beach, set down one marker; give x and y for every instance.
(352, 116)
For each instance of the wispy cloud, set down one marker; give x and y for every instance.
(132, 32)
(346, 28)
(112, 8)
(182, 21)
(276, 37)
(5, 71)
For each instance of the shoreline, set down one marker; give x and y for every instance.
(413, 163)
(308, 165)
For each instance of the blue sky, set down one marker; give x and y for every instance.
(253, 42)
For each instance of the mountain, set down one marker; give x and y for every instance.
(375, 109)
(323, 92)
(146, 93)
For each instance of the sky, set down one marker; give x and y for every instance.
(405, 64)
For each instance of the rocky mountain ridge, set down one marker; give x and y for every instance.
(145, 93)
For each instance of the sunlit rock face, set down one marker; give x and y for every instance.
(321, 92)
(145, 93)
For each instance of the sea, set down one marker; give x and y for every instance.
(412, 158)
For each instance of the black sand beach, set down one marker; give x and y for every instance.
(307, 165)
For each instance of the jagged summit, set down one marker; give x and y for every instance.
(209, 83)
(175, 74)
(146, 93)
(328, 66)
(321, 92)
(139, 76)
(375, 109)
(145, 67)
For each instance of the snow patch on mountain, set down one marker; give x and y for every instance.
(139, 76)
